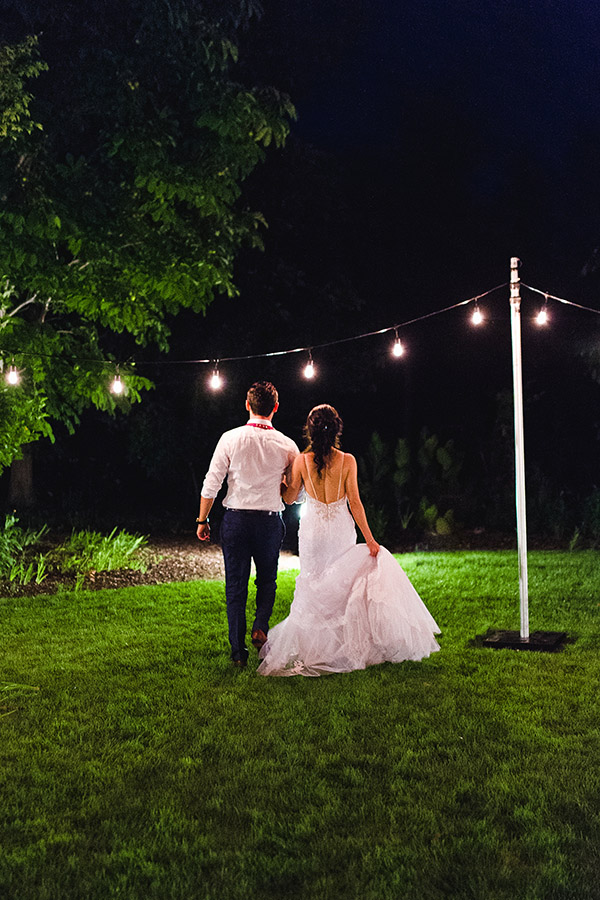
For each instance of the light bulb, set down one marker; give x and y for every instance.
(477, 317)
(542, 316)
(397, 348)
(215, 380)
(309, 369)
(117, 387)
(12, 376)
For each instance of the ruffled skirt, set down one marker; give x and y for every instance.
(360, 611)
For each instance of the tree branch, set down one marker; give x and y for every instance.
(18, 308)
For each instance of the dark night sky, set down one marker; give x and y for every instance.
(434, 141)
(462, 133)
(490, 107)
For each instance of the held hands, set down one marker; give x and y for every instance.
(203, 532)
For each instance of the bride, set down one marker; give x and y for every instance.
(353, 605)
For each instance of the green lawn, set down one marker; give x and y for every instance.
(136, 763)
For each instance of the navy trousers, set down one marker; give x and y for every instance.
(248, 535)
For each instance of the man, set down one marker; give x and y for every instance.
(256, 459)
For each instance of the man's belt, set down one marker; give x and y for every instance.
(253, 512)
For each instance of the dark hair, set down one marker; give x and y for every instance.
(322, 431)
(262, 398)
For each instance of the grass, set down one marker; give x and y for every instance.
(135, 763)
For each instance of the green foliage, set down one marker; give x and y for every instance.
(374, 472)
(429, 515)
(426, 480)
(411, 487)
(15, 545)
(120, 175)
(23, 419)
(591, 516)
(547, 511)
(18, 64)
(83, 552)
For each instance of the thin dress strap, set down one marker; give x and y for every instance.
(309, 478)
(337, 496)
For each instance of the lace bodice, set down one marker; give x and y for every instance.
(326, 531)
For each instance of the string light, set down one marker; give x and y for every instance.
(117, 387)
(309, 369)
(12, 376)
(477, 317)
(216, 381)
(542, 316)
(397, 347)
(548, 296)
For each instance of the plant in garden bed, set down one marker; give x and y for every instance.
(17, 562)
(86, 552)
(22, 560)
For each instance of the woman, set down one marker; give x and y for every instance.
(353, 605)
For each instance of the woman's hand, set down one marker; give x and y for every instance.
(373, 547)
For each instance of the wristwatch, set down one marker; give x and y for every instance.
(201, 521)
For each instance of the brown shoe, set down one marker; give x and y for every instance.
(259, 638)
(239, 663)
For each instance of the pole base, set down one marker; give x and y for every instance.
(542, 641)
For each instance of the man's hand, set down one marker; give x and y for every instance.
(203, 532)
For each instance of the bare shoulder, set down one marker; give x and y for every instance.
(299, 461)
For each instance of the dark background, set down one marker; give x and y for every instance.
(434, 141)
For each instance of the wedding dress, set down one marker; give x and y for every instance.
(350, 609)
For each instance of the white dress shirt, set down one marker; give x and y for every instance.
(254, 458)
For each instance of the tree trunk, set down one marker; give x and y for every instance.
(20, 489)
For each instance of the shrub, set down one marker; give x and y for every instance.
(87, 551)
(21, 561)
(16, 543)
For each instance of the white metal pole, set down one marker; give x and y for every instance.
(515, 328)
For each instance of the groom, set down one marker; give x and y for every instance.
(255, 458)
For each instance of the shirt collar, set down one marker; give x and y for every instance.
(254, 420)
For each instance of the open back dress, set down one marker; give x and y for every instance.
(350, 609)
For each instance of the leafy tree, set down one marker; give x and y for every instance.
(124, 142)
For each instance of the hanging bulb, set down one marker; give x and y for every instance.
(117, 387)
(309, 370)
(12, 376)
(397, 347)
(542, 316)
(477, 317)
(215, 379)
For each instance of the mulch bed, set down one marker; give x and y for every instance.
(166, 559)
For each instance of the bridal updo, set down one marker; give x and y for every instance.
(322, 431)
